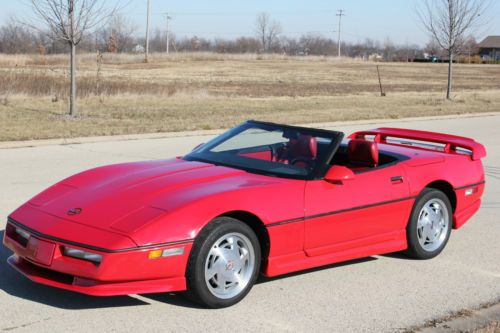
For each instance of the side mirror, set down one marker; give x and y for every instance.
(339, 174)
(198, 146)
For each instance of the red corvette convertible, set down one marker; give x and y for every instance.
(260, 198)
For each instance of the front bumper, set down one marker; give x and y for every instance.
(119, 273)
(92, 287)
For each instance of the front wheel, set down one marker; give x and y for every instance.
(224, 263)
(429, 227)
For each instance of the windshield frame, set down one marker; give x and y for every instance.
(317, 172)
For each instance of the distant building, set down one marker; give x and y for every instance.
(375, 57)
(489, 48)
(139, 49)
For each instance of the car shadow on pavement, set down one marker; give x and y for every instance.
(14, 284)
(180, 299)
(398, 255)
(264, 279)
(176, 299)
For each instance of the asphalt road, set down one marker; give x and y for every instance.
(381, 293)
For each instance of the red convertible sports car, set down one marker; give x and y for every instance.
(260, 198)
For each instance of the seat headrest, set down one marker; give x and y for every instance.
(304, 145)
(363, 153)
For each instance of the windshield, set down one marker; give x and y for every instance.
(271, 149)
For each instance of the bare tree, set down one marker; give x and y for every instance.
(69, 21)
(16, 38)
(122, 31)
(432, 47)
(313, 43)
(388, 49)
(471, 47)
(267, 31)
(448, 22)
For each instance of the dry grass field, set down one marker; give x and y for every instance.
(123, 95)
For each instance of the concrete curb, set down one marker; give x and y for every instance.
(149, 136)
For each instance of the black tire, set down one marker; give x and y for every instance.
(197, 289)
(415, 249)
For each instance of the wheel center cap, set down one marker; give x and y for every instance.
(230, 265)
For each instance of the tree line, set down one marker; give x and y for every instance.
(121, 36)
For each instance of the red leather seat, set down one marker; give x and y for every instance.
(304, 146)
(362, 154)
(301, 151)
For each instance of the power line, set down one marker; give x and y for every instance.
(340, 13)
(249, 34)
(237, 13)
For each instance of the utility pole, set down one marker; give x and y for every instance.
(340, 13)
(147, 31)
(72, 96)
(407, 51)
(168, 18)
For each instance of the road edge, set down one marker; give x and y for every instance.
(466, 320)
(163, 135)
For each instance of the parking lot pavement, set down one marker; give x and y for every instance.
(380, 293)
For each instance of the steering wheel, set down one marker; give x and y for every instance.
(274, 152)
(307, 161)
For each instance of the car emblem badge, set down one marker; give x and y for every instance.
(74, 211)
(230, 265)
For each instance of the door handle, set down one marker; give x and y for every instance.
(397, 179)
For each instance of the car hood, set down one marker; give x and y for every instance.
(122, 197)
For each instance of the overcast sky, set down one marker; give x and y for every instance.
(376, 19)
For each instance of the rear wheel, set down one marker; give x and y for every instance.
(429, 227)
(224, 263)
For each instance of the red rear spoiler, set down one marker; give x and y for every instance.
(450, 142)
